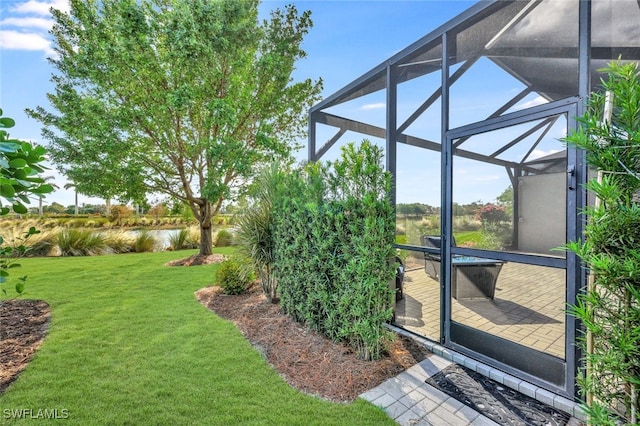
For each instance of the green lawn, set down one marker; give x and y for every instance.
(130, 344)
(474, 237)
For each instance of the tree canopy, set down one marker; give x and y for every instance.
(183, 98)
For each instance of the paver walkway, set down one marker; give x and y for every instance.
(408, 400)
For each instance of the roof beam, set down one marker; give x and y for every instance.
(436, 94)
(548, 121)
(379, 132)
(517, 98)
(323, 150)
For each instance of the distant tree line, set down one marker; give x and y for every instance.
(417, 210)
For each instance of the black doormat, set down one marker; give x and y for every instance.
(498, 402)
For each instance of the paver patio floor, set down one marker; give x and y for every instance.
(528, 307)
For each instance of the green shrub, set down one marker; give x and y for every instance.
(144, 242)
(224, 238)
(333, 242)
(76, 223)
(465, 223)
(177, 241)
(193, 236)
(610, 307)
(50, 223)
(402, 254)
(9, 250)
(40, 243)
(233, 276)
(81, 242)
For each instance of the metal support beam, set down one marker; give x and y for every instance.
(349, 124)
(391, 132)
(517, 98)
(524, 159)
(379, 132)
(446, 195)
(577, 198)
(514, 174)
(311, 139)
(548, 122)
(323, 150)
(436, 95)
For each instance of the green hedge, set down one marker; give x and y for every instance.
(333, 242)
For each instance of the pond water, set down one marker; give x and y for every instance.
(163, 236)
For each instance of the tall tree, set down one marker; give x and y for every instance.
(184, 98)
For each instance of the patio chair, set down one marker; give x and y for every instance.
(399, 279)
(432, 261)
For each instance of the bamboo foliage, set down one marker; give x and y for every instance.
(333, 241)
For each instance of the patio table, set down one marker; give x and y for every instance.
(474, 277)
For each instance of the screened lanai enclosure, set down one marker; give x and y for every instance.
(472, 118)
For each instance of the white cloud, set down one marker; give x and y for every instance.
(40, 23)
(537, 101)
(31, 27)
(378, 105)
(41, 7)
(14, 40)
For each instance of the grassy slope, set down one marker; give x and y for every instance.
(474, 237)
(130, 344)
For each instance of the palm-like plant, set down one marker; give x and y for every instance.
(73, 185)
(255, 229)
(41, 197)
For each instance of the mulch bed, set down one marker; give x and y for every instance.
(23, 326)
(304, 358)
(197, 259)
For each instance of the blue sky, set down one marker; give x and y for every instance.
(348, 39)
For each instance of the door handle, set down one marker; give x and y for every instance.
(571, 172)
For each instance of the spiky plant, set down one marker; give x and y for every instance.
(255, 229)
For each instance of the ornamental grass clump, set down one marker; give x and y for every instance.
(119, 241)
(144, 242)
(80, 242)
(610, 307)
(224, 238)
(184, 239)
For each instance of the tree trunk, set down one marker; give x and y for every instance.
(206, 239)
(40, 210)
(76, 206)
(107, 204)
